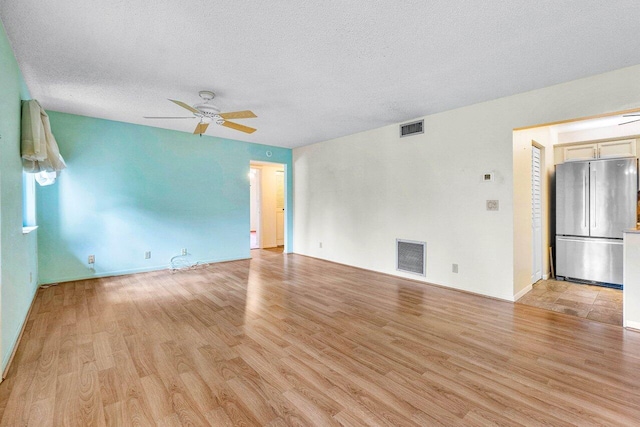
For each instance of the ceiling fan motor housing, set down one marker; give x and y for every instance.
(207, 110)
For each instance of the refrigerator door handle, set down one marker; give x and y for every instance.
(593, 200)
(585, 208)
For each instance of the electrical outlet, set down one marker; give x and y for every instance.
(184, 251)
(320, 245)
(454, 268)
(91, 259)
(493, 205)
(30, 277)
(147, 255)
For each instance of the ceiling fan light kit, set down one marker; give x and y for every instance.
(208, 113)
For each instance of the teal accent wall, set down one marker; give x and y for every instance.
(129, 189)
(18, 259)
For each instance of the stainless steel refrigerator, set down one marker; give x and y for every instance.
(595, 202)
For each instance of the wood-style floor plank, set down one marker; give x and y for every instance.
(286, 340)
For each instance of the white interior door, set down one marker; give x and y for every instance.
(280, 208)
(254, 207)
(536, 215)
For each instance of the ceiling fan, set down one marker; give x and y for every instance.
(631, 115)
(208, 113)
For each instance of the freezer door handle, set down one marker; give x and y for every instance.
(591, 241)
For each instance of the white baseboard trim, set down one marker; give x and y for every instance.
(546, 276)
(73, 278)
(18, 338)
(632, 325)
(521, 293)
(412, 277)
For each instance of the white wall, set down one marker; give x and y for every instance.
(357, 194)
(631, 279)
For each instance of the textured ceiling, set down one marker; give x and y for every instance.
(311, 71)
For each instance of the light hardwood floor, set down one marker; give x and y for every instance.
(289, 340)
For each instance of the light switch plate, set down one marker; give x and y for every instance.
(493, 205)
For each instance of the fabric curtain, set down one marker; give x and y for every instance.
(39, 149)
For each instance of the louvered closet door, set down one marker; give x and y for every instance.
(536, 216)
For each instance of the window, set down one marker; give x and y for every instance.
(28, 200)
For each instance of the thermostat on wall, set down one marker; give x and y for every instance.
(487, 177)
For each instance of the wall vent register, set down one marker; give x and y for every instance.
(411, 256)
(412, 128)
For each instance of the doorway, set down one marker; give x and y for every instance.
(267, 205)
(554, 144)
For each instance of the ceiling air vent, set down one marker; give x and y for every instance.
(412, 128)
(411, 256)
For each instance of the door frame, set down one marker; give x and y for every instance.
(534, 278)
(257, 164)
(258, 183)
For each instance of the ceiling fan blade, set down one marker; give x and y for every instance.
(632, 121)
(201, 128)
(147, 117)
(246, 114)
(239, 127)
(183, 105)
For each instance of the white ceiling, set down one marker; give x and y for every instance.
(310, 70)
